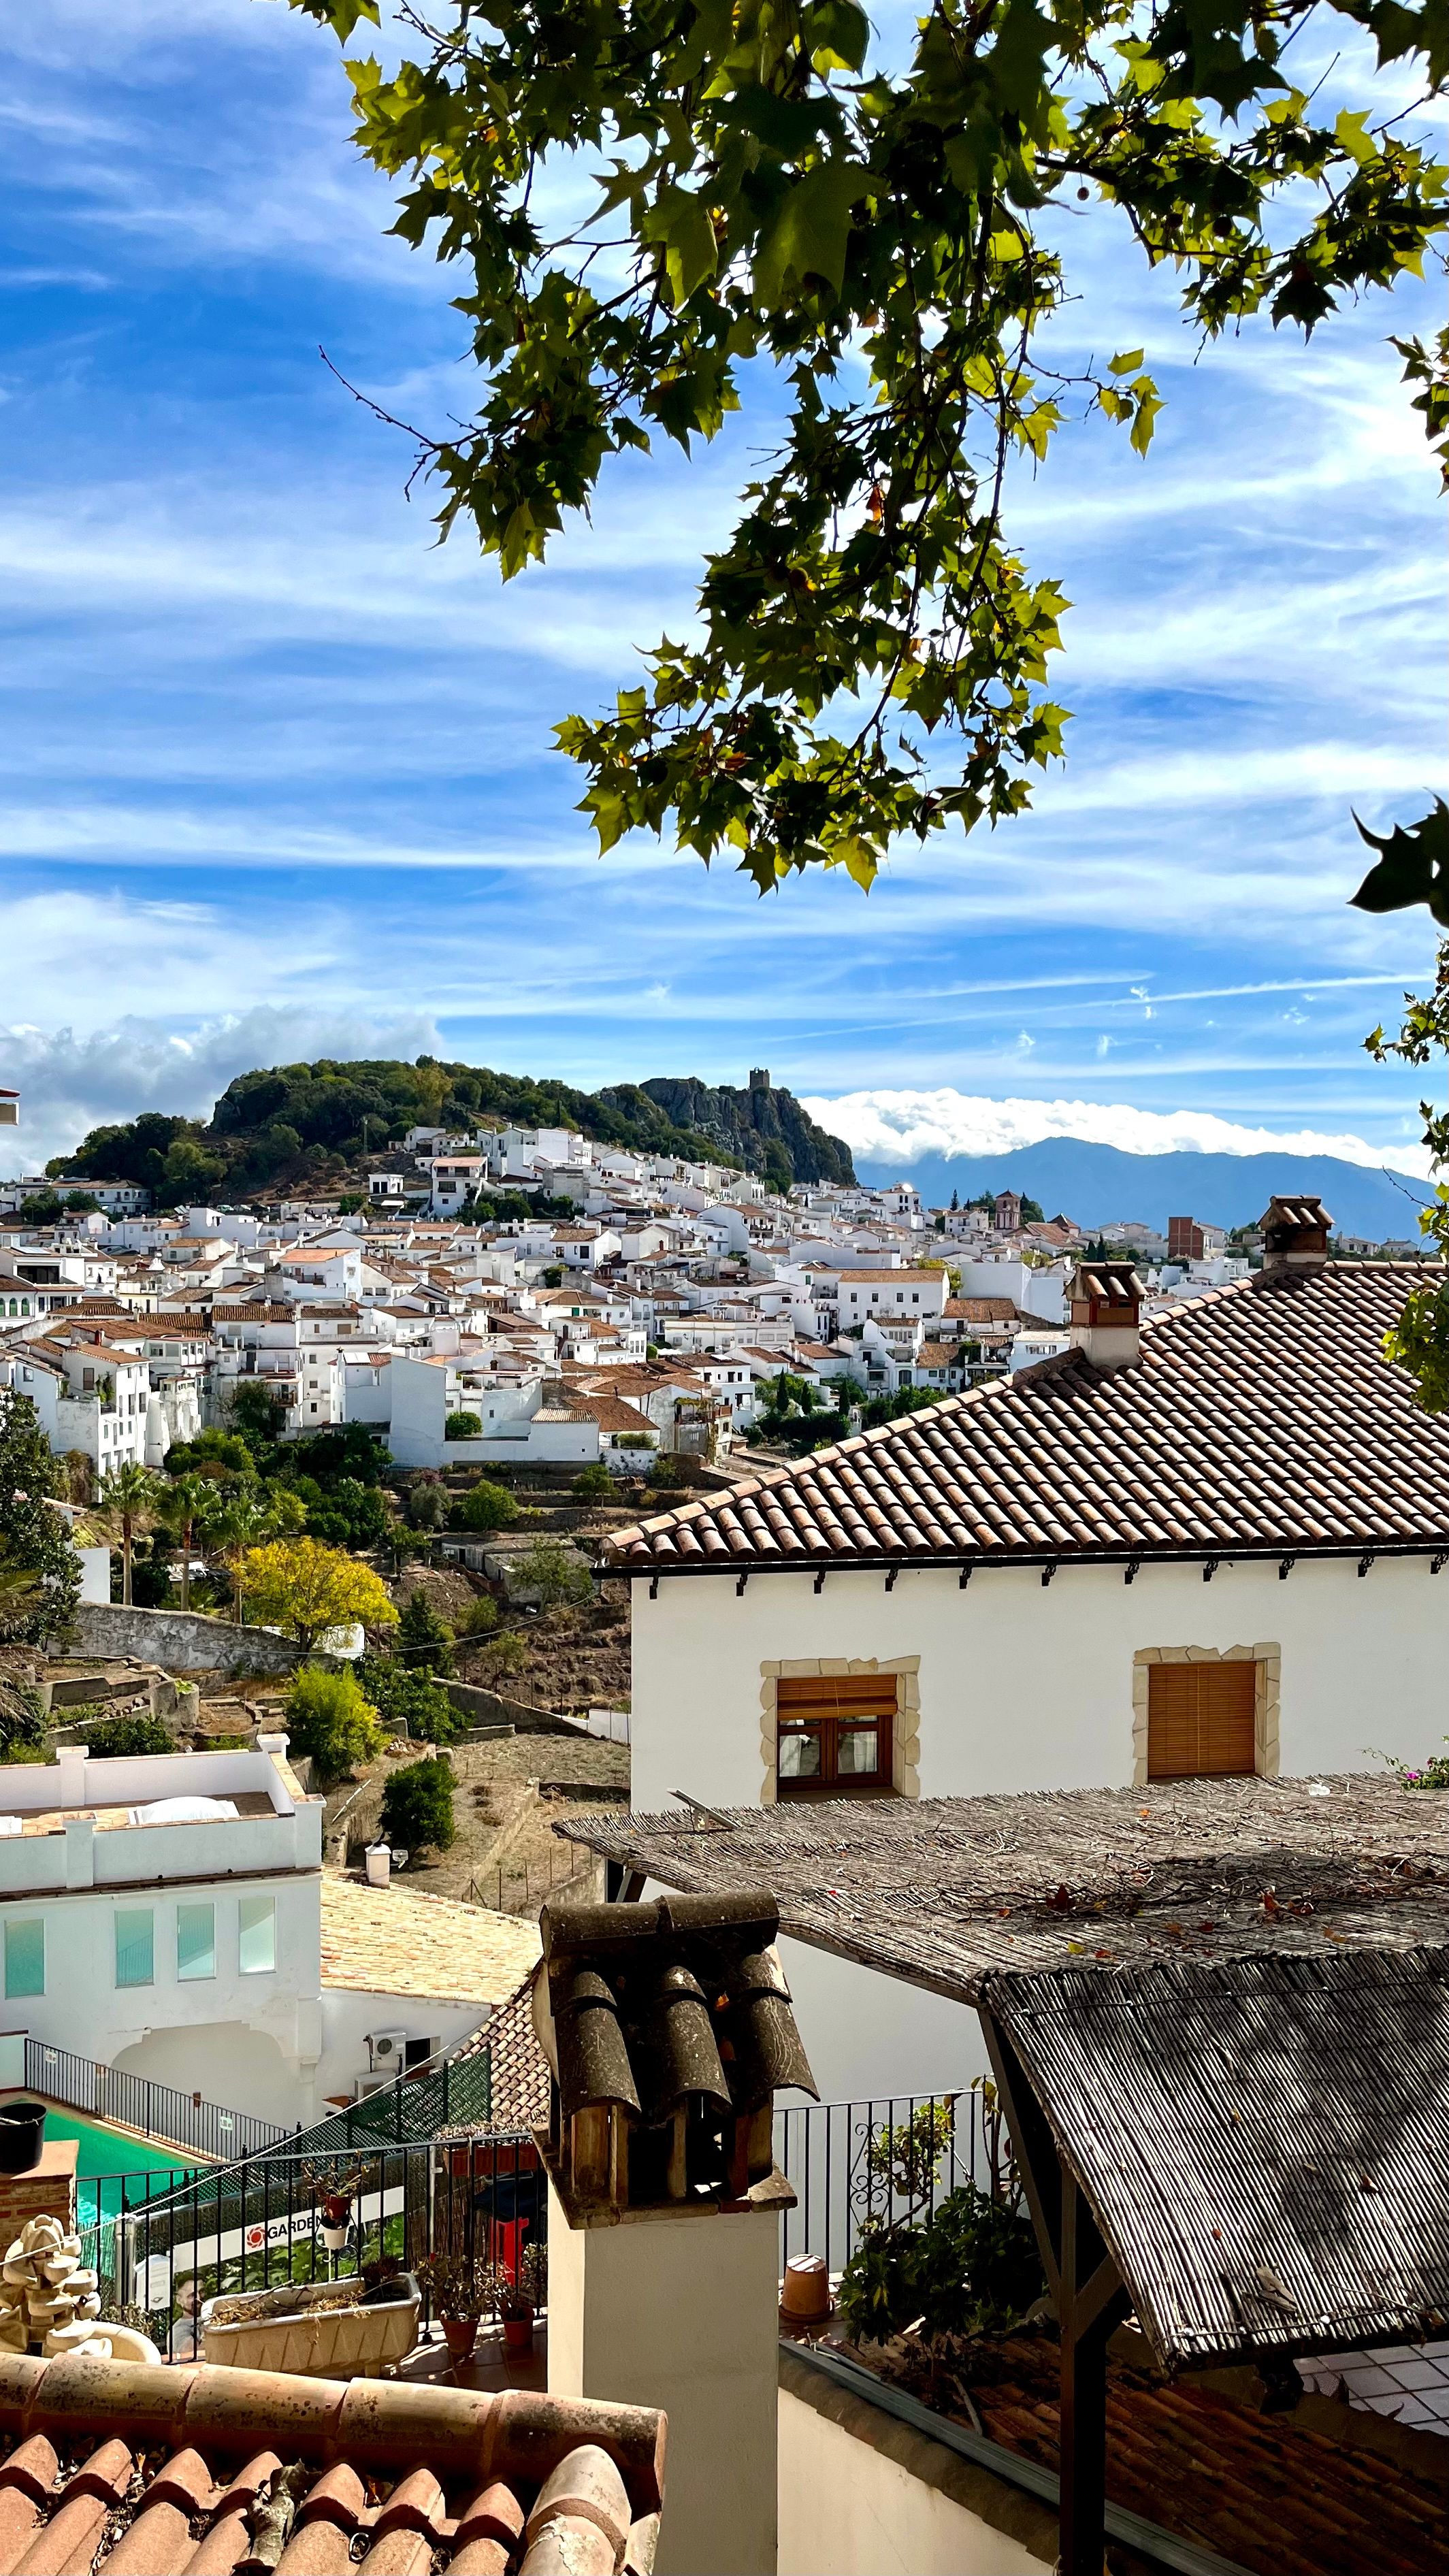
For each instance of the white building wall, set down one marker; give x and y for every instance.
(1021, 1688)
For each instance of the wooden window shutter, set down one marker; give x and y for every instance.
(1201, 1720)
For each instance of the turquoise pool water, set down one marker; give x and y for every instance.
(107, 2154)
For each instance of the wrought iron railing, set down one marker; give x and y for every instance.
(163, 2244)
(138, 2102)
(859, 2166)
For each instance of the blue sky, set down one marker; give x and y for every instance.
(276, 774)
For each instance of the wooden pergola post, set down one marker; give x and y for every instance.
(1086, 2289)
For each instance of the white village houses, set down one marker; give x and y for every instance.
(1214, 1542)
(168, 1915)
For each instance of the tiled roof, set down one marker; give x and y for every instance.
(147, 2472)
(1260, 1419)
(982, 1310)
(1258, 2490)
(394, 1941)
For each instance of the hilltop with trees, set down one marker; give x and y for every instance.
(313, 1126)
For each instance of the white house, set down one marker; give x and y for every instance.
(89, 1397)
(1217, 1542)
(876, 1293)
(169, 1915)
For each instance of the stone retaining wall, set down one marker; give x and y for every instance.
(183, 1641)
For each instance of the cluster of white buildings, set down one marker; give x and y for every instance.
(646, 1317)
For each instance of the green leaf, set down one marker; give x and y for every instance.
(1018, 55)
(836, 35)
(1125, 364)
(1413, 866)
(858, 859)
(340, 15)
(809, 230)
(680, 222)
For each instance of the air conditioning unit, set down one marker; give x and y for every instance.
(385, 2049)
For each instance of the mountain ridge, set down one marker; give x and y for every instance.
(1101, 1184)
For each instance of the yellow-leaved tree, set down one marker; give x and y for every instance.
(304, 1589)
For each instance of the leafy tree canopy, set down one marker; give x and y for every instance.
(763, 181)
(330, 1718)
(41, 1565)
(304, 1589)
(417, 1805)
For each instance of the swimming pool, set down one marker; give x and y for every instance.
(106, 2155)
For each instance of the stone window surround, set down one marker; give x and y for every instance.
(1268, 1657)
(906, 1738)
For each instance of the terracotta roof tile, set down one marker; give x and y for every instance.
(149, 2471)
(393, 1941)
(1263, 1418)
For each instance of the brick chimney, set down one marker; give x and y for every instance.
(1295, 1237)
(1104, 1313)
(668, 2030)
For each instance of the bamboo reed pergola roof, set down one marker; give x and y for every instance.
(1263, 2144)
(946, 1893)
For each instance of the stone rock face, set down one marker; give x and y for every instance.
(766, 1129)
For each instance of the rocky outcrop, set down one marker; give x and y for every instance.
(765, 1129)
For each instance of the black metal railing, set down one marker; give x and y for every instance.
(152, 2110)
(860, 2166)
(460, 2211)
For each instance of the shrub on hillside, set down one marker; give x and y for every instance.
(487, 1507)
(424, 1641)
(410, 1698)
(592, 1486)
(463, 1426)
(551, 1574)
(329, 1718)
(116, 1738)
(417, 1805)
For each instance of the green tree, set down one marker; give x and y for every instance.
(330, 1718)
(551, 1573)
(127, 1503)
(791, 190)
(117, 1738)
(187, 1507)
(305, 1589)
(426, 1505)
(245, 1519)
(1419, 1341)
(487, 1506)
(35, 1538)
(414, 1698)
(463, 1426)
(417, 1805)
(257, 1416)
(593, 1485)
(424, 1641)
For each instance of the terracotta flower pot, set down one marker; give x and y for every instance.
(460, 2334)
(518, 2333)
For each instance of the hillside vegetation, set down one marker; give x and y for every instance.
(312, 1126)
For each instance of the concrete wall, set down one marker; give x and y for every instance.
(186, 1643)
(867, 2496)
(679, 2309)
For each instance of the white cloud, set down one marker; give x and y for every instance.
(69, 1083)
(901, 1126)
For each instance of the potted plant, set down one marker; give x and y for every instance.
(334, 2190)
(520, 2297)
(462, 2289)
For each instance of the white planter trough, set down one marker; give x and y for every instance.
(316, 2329)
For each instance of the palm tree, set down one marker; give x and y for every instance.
(245, 1521)
(127, 1501)
(187, 1506)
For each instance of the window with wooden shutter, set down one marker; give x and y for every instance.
(1201, 1720)
(836, 1734)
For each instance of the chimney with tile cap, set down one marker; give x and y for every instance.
(668, 2030)
(1104, 1313)
(1295, 1237)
